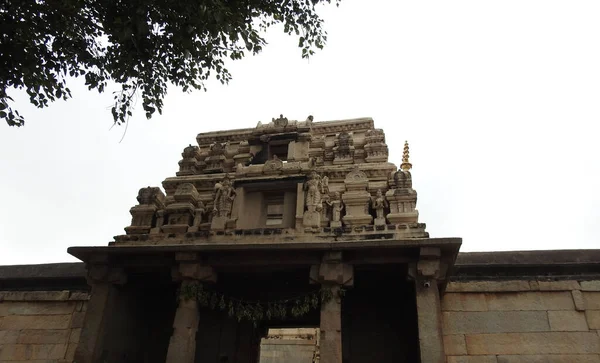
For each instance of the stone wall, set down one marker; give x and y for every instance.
(522, 321)
(40, 326)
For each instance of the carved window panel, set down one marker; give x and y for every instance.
(275, 209)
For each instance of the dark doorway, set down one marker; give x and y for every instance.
(379, 321)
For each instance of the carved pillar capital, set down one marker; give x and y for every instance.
(100, 271)
(332, 270)
(428, 268)
(190, 267)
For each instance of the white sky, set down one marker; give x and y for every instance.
(500, 101)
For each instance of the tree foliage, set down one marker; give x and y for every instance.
(141, 45)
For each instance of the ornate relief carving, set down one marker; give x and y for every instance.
(273, 165)
(379, 204)
(344, 149)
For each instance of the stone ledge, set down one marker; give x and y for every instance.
(43, 296)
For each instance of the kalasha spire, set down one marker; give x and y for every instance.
(406, 165)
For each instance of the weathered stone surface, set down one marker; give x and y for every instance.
(18, 322)
(49, 336)
(593, 319)
(48, 351)
(592, 300)
(533, 343)
(472, 359)
(455, 344)
(488, 286)
(15, 352)
(565, 285)
(590, 285)
(495, 322)
(464, 302)
(8, 336)
(34, 295)
(530, 301)
(431, 341)
(567, 321)
(578, 300)
(74, 335)
(579, 358)
(77, 319)
(35, 308)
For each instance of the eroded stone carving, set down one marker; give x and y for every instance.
(143, 216)
(344, 150)
(216, 158)
(379, 204)
(375, 147)
(313, 188)
(273, 165)
(180, 213)
(223, 202)
(337, 206)
(357, 198)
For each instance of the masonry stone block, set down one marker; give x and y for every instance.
(48, 351)
(495, 322)
(36, 308)
(472, 359)
(77, 319)
(561, 358)
(455, 344)
(74, 335)
(533, 343)
(593, 319)
(48, 336)
(592, 300)
(565, 285)
(559, 300)
(488, 286)
(15, 352)
(567, 321)
(18, 322)
(9, 336)
(578, 300)
(464, 302)
(590, 285)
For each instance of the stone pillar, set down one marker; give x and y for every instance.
(429, 315)
(332, 273)
(182, 345)
(102, 279)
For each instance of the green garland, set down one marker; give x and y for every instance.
(256, 311)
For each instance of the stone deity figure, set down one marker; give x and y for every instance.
(313, 188)
(223, 198)
(379, 203)
(336, 207)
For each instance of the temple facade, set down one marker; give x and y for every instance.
(297, 241)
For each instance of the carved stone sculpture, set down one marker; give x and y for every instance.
(313, 188)
(379, 204)
(357, 198)
(403, 198)
(344, 150)
(180, 213)
(272, 166)
(337, 206)
(375, 147)
(189, 164)
(224, 197)
(143, 216)
(215, 162)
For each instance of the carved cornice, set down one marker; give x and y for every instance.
(329, 127)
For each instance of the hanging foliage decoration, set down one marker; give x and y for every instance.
(256, 311)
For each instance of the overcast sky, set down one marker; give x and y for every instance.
(499, 100)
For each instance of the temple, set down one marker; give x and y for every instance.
(297, 241)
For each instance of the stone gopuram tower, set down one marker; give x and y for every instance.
(290, 224)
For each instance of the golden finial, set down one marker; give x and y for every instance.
(405, 166)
